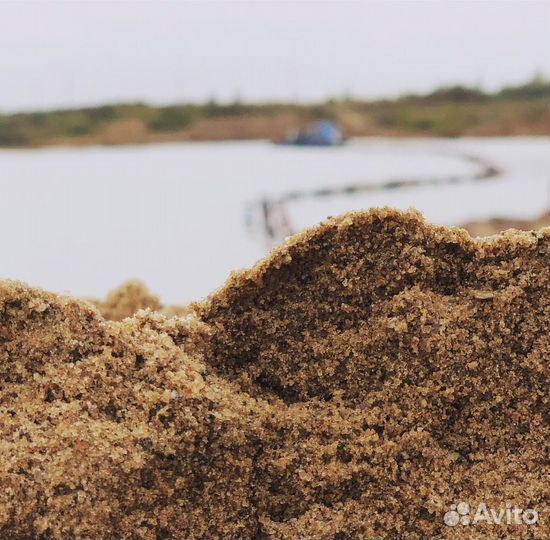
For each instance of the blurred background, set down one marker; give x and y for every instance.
(177, 141)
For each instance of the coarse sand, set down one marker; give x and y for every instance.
(354, 384)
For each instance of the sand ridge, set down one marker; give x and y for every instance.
(354, 384)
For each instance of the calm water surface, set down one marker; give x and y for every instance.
(174, 215)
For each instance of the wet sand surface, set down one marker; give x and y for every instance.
(363, 377)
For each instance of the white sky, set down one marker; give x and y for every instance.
(59, 54)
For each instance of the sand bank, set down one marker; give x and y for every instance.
(365, 376)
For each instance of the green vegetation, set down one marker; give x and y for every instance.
(451, 111)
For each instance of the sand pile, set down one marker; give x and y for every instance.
(356, 383)
(496, 225)
(131, 297)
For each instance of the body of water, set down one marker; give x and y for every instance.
(182, 216)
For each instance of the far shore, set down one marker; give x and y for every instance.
(446, 112)
(496, 225)
(124, 133)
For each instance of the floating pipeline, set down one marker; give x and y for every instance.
(271, 219)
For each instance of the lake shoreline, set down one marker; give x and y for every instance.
(91, 143)
(210, 133)
(445, 113)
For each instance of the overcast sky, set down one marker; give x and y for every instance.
(60, 54)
